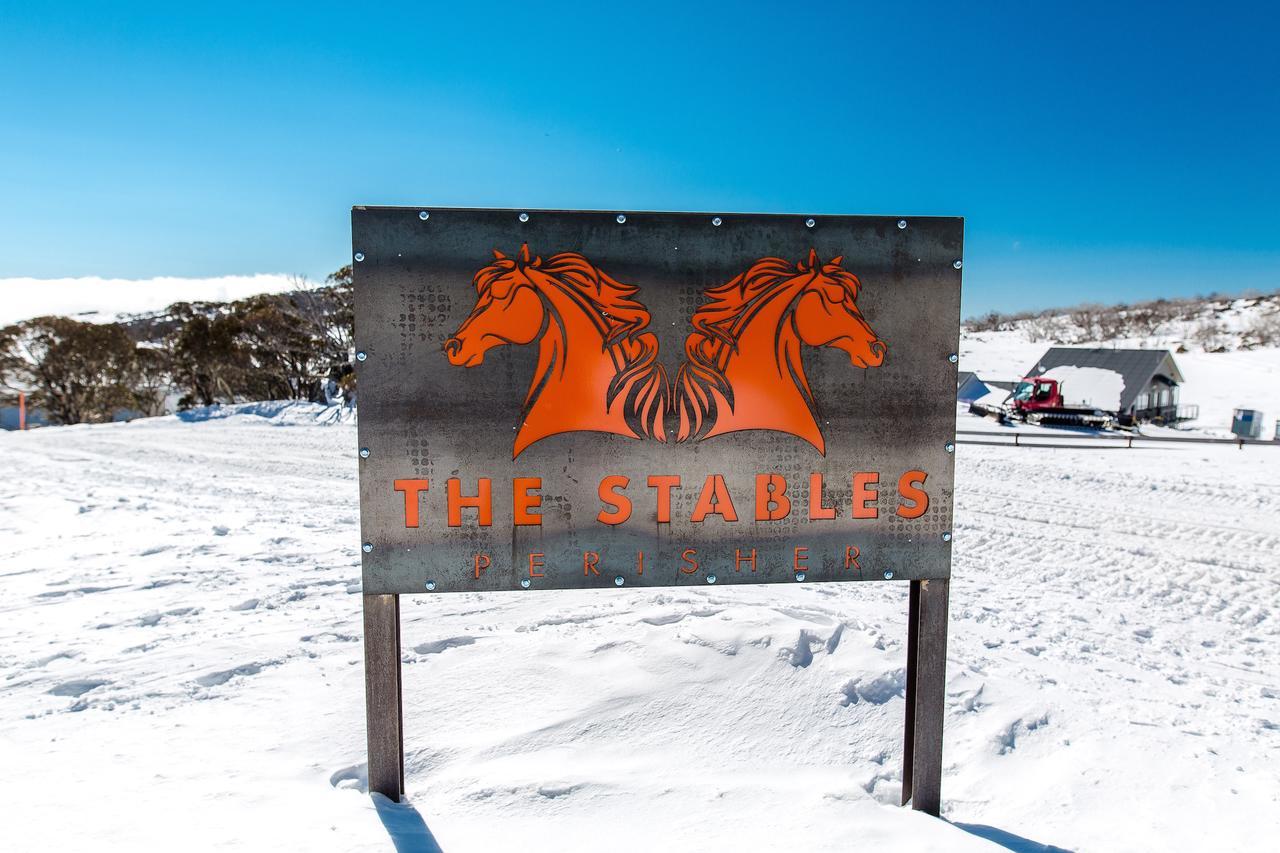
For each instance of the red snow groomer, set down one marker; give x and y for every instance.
(1044, 400)
(1041, 400)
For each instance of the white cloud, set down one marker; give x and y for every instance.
(104, 299)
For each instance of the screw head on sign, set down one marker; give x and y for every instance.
(359, 257)
(621, 218)
(525, 582)
(888, 574)
(951, 447)
(361, 356)
(431, 585)
(946, 537)
(364, 453)
(524, 217)
(953, 358)
(799, 576)
(367, 547)
(957, 263)
(711, 578)
(424, 216)
(809, 223)
(902, 223)
(619, 580)
(716, 221)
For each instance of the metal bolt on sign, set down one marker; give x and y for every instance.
(711, 578)
(946, 537)
(950, 447)
(809, 223)
(364, 453)
(716, 221)
(431, 585)
(524, 217)
(888, 574)
(800, 576)
(367, 547)
(957, 263)
(621, 219)
(361, 356)
(525, 582)
(423, 215)
(619, 580)
(953, 358)
(359, 257)
(902, 223)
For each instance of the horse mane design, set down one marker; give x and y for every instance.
(743, 364)
(597, 368)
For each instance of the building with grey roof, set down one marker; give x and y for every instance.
(1151, 379)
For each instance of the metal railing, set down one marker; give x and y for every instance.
(1116, 441)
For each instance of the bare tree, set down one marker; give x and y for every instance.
(76, 372)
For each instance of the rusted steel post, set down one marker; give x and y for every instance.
(926, 685)
(909, 727)
(383, 711)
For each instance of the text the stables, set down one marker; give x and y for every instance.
(619, 497)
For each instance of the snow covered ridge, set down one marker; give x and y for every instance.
(1211, 324)
(104, 300)
(182, 660)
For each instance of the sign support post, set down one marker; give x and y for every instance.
(383, 711)
(926, 694)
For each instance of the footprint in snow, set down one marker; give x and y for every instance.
(877, 691)
(77, 688)
(438, 646)
(213, 679)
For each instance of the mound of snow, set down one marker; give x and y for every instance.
(1088, 386)
(274, 412)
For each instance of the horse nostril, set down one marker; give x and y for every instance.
(878, 348)
(452, 346)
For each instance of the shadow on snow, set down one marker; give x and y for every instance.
(406, 827)
(1008, 840)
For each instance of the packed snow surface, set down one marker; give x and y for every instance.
(182, 667)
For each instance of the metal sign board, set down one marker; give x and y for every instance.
(570, 399)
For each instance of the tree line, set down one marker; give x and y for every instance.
(288, 346)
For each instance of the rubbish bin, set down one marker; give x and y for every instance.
(1246, 423)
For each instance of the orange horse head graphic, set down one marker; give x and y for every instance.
(597, 370)
(744, 367)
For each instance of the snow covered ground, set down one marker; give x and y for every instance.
(181, 663)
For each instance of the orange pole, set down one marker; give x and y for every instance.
(22, 411)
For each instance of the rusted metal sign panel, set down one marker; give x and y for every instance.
(560, 399)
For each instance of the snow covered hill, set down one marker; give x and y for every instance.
(103, 300)
(181, 661)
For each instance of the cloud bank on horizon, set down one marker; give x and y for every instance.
(97, 299)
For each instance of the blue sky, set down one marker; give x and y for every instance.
(1098, 153)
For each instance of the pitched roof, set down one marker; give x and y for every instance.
(1136, 366)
